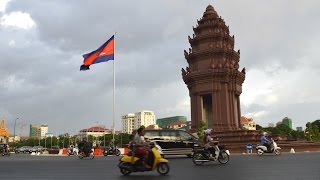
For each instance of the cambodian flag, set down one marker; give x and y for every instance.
(103, 54)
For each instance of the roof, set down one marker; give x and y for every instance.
(94, 129)
(177, 123)
(245, 119)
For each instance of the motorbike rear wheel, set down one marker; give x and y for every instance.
(197, 157)
(260, 152)
(223, 157)
(277, 152)
(118, 152)
(123, 170)
(163, 168)
(91, 155)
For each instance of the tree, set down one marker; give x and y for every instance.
(309, 132)
(284, 129)
(258, 127)
(201, 126)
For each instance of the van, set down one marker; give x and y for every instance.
(173, 142)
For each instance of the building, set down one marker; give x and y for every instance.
(128, 123)
(38, 131)
(95, 131)
(247, 123)
(164, 122)
(299, 129)
(287, 121)
(133, 121)
(176, 125)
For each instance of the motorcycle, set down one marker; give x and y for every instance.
(261, 149)
(72, 151)
(111, 151)
(82, 154)
(130, 163)
(5, 153)
(202, 155)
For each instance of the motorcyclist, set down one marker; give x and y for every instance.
(6, 149)
(85, 146)
(209, 143)
(141, 144)
(265, 141)
(71, 150)
(112, 145)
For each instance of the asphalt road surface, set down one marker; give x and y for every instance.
(299, 166)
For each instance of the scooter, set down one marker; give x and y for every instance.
(82, 154)
(130, 163)
(5, 152)
(261, 149)
(72, 151)
(112, 151)
(202, 155)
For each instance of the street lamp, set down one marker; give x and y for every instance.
(14, 129)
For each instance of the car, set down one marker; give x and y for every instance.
(37, 149)
(173, 141)
(54, 150)
(23, 149)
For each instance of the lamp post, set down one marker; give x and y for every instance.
(51, 142)
(14, 129)
(45, 141)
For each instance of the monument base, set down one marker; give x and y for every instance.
(237, 140)
(239, 136)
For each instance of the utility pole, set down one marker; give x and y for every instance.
(14, 129)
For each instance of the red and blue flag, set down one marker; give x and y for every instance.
(103, 54)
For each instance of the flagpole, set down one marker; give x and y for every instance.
(114, 83)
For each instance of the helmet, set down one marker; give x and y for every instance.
(264, 133)
(208, 131)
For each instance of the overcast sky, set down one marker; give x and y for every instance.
(42, 43)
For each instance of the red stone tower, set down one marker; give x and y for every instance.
(213, 77)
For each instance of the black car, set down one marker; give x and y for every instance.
(173, 142)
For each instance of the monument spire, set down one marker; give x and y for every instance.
(3, 130)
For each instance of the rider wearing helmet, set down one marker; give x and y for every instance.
(208, 140)
(265, 141)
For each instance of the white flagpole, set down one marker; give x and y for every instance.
(114, 83)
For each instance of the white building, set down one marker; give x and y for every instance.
(128, 123)
(96, 131)
(247, 123)
(132, 121)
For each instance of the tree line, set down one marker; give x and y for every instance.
(64, 141)
(311, 133)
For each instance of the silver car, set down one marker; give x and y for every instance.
(23, 149)
(37, 149)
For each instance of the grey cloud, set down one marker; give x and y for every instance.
(151, 36)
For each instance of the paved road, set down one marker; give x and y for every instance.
(299, 166)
